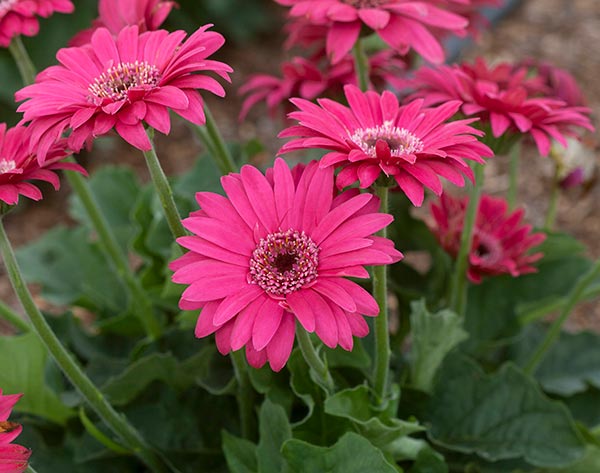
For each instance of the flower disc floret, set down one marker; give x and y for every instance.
(400, 141)
(117, 81)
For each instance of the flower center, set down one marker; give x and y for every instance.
(6, 5)
(116, 82)
(364, 3)
(487, 248)
(6, 426)
(7, 166)
(400, 141)
(284, 262)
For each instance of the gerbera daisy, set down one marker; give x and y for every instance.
(376, 136)
(501, 241)
(13, 458)
(117, 14)
(18, 165)
(401, 24)
(121, 83)
(277, 250)
(18, 17)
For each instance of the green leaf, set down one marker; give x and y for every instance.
(589, 464)
(240, 454)
(429, 461)
(23, 360)
(434, 336)
(380, 427)
(500, 416)
(351, 454)
(274, 429)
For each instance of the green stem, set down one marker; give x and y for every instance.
(112, 249)
(361, 65)
(24, 63)
(313, 360)
(554, 331)
(13, 318)
(115, 421)
(515, 157)
(553, 203)
(382, 335)
(458, 296)
(217, 147)
(245, 394)
(163, 188)
(30, 469)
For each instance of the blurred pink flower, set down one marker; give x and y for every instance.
(18, 165)
(401, 24)
(120, 83)
(376, 136)
(115, 15)
(18, 17)
(13, 458)
(554, 82)
(501, 241)
(277, 250)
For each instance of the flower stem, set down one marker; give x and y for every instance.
(115, 421)
(361, 65)
(382, 335)
(554, 331)
(24, 63)
(30, 469)
(553, 203)
(313, 360)
(163, 188)
(245, 394)
(515, 157)
(458, 297)
(13, 318)
(109, 243)
(213, 140)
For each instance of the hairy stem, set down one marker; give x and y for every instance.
(214, 142)
(13, 318)
(361, 65)
(552, 203)
(24, 63)
(515, 157)
(245, 395)
(313, 360)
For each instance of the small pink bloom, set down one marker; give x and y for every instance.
(18, 165)
(376, 136)
(505, 98)
(115, 15)
(501, 242)
(13, 458)
(121, 83)
(401, 24)
(276, 250)
(19, 17)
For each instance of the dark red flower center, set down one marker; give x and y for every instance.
(365, 3)
(7, 165)
(399, 141)
(284, 262)
(487, 248)
(116, 82)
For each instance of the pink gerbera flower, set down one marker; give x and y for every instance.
(277, 250)
(501, 242)
(13, 458)
(18, 165)
(402, 24)
(121, 83)
(376, 136)
(18, 17)
(503, 98)
(117, 14)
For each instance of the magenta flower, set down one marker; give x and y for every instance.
(401, 24)
(501, 242)
(115, 15)
(13, 458)
(122, 83)
(18, 165)
(503, 98)
(19, 17)
(277, 250)
(376, 136)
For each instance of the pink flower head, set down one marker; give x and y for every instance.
(121, 83)
(13, 458)
(502, 97)
(472, 11)
(18, 165)
(402, 24)
(277, 250)
(115, 15)
(308, 78)
(376, 135)
(19, 17)
(501, 242)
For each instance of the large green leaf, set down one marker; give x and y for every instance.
(434, 336)
(500, 416)
(589, 464)
(23, 360)
(274, 430)
(351, 454)
(240, 454)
